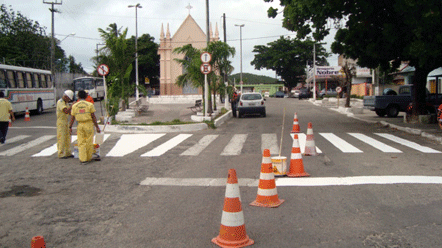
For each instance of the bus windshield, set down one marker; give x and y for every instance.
(84, 84)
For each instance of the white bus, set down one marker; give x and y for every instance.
(94, 86)
(27, 88)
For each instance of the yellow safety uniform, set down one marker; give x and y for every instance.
(63, 135)
(82, 111)
(5, 107)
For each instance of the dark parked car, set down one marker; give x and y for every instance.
(279, 94)
(305, 93)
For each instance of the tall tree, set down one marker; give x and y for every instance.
(288, 57)
(375, 32)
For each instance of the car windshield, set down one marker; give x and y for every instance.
(251, 97)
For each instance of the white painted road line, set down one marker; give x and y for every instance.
(25, 146)
(235, 145)
(52, 149)
(341, 144)
(160, 150)
(374, 143)
(301, 139)
(200, 146)
(129, 143)
(295, 182)
(16, 138)
(407, 143)
(270, 141)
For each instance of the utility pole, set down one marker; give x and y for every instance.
(206, 83)
(226, 98)
(240, 52)
(53, 10)
(136, 48)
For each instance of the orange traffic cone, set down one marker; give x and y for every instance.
(267, 193)
(296, 164)
(38, 242)
(232, 232)
(27, 117)
(310, 147)
(295, 125)
(10, 122)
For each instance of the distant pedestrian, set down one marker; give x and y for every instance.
(83, 112)
(88, 97)
(234, 101)
(5, 113)
(63, 134)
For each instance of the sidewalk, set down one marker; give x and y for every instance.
(429, 131)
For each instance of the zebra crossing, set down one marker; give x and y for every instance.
(158, 144)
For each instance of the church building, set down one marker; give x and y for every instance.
(188, 33)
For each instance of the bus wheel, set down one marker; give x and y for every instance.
(39, 107)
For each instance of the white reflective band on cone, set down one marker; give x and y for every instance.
(232, 191)
(296, 156)
(266, 160)
(267, 176)
(267, 192)
(232, 219)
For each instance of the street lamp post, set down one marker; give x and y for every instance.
(240, 52)
(137, 97)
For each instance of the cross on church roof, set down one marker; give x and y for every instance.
(189, 7)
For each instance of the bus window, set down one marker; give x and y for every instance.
(36, 81)
(43, 81)
(20, 80)
(3, 82)
(11, 79)
(28, 80)
(49, 80)
(89, 84)
(99, 82)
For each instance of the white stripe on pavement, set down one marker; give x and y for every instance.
(341, 144)
(52, 149)
(16, 138)
(235, 145)
(302, 140)
(407, 143)
(25, 146)
(295, 182)
(129, 143)
(374, 143)
(200, 146)
(160, 150)
(270, 141)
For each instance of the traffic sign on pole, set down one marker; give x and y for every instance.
(103, 70)
(206, 57)
(206, 68)
(338, 89)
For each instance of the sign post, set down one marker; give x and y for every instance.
(338, 90)
(206, 68)
(103, 70)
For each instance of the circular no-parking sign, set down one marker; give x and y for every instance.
(103, 70)
(338, 89)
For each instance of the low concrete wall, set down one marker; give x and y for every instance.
(187, 99)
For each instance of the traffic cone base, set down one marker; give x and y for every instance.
(27, 117)
(232, 231)
(267, 194)
(38, 242)
(296, 163)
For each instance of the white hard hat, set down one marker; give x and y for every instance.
(70, 94)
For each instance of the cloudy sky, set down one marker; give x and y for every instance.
(84, 17)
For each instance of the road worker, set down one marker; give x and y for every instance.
(83, 111)
(63, 134)
(5, 113)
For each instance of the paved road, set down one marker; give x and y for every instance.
(122, 201)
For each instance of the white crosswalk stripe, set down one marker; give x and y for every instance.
(160, 150)
(341, 144)
(129, 143)
(25, 146)
(374, 143)
(200, 146)
(270, 141)
(235, 145)
(407, 143)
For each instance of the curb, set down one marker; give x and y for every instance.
(223, 118)
(155, 129)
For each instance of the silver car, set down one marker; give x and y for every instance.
(251, 103)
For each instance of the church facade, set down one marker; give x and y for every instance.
(188, 33)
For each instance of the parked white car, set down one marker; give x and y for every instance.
(251, 103)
